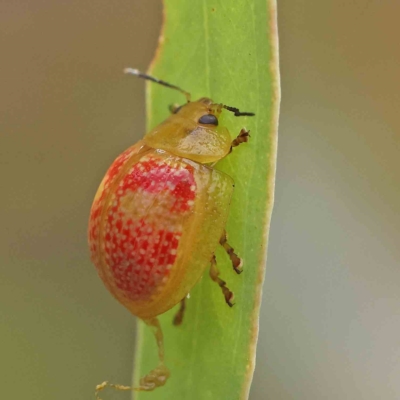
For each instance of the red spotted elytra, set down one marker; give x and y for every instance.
(159, 214)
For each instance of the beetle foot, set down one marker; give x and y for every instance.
(243, 137)
(154, 379)
(229, 296)
(237, 262)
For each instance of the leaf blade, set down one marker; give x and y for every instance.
(230, 55)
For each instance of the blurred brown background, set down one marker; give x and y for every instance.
(330, 324)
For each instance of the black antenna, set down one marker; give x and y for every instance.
(136, 72)
(237, 112)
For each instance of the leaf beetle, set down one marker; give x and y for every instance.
(159, 214)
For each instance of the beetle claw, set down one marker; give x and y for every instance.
(229, 301)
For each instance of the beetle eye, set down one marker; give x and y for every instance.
(208, 119)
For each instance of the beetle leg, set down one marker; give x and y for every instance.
(243, 137)
(237, 262)
(156, 377)
(179, 315)
(106, 384)
(222, 284)
(159, 375)
(173, 108)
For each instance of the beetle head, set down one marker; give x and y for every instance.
(193, 130)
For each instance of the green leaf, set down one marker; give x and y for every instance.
(226, 51)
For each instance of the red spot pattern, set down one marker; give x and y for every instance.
(143, 224)
(95, 213)
(142, 259)
(152, 177)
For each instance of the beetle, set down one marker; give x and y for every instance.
(159, 214)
